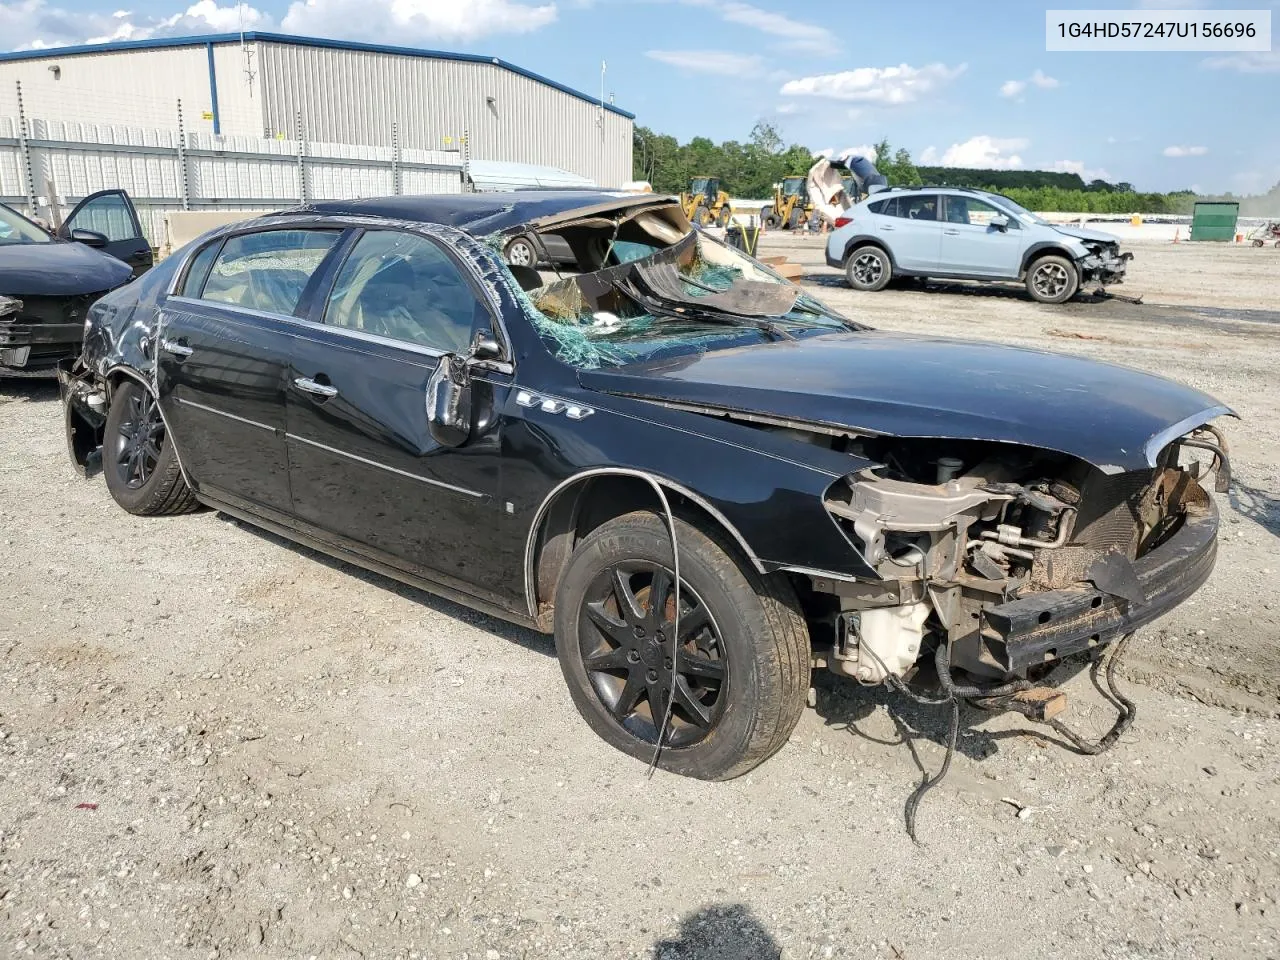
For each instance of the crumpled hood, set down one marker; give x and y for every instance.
(58, 270)
(1113, 417)
(1093, 236)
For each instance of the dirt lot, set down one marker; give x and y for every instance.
(215, 744)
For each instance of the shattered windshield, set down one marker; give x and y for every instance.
(15, 228)
(662, 289)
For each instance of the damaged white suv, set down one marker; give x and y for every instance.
(964, 234)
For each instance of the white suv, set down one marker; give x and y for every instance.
(957, 233)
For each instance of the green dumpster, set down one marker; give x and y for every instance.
(1214, 221)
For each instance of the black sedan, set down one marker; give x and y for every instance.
(53, 278)
(703, 481)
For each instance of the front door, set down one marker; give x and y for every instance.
(364, 466)
(972, 244)
(910, 229)
(222, 348)
(111, 214)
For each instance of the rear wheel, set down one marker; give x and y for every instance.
(868, 268)
(1053, 280)
(138, 461)
(742, 669)
(520, 253)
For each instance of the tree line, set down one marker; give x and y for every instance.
(750, 169)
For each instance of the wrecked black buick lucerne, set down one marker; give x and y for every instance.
(371, 379)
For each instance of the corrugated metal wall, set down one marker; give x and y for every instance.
(354, 96)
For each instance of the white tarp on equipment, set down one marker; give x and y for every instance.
(826, 191)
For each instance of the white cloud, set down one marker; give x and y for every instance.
(1043, 81)
(707, 61)
(1078, 167)
(982, 152)
(1015, 88)
(36, 24)
(890, 86)
(795, 34)
(411, 21)
(1178, 151)
(1258, 61)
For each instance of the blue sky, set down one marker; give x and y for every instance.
(956, 83)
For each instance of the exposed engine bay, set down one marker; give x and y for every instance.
(957, 534)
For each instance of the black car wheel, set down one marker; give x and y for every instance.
(769, 219)
(742, 669)
(138, 461)
(520, 253)
(1053, 280)
(725, 217)
(868, 268)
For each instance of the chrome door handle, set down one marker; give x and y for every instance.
(952, 233)
(886, 226)
(307, 385)
(177, 349)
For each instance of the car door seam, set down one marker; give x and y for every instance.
(223, 413)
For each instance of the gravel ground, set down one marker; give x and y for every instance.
(216, 744)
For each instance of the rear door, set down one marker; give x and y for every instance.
(112, 214)
(909, 227)
(971, 244)
(365, 470)
(223, 349)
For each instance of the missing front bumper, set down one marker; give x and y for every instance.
(1044, 627)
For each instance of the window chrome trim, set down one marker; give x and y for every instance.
(223, 413)
(312, 325)
(530, 589)
(383, 466)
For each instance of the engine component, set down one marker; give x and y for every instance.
(872, 644)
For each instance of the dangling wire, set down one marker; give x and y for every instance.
(675, 626)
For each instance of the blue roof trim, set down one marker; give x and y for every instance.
(117, 45)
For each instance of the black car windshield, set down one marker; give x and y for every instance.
(15, 229)
(673, 295)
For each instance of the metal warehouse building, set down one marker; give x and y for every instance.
(260, 84)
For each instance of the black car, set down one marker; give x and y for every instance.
(55, 277)
(370, 378)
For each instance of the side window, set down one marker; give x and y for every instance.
(198, 270)
(269, 270)
(882, 207)
(920, 207)
(970, 210)
(108, 215)
(404, 286)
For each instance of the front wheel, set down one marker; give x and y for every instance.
(1053, 280)
(520, 253)
(725, 216)
(138, 460)
(769, 218)
(741, 671)
(868, 268)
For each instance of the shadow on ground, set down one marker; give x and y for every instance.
(721, 932)
(27, 389)
(1257, 505)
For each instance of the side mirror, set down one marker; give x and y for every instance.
(1000, 222)
(90, 238)
(449, 402)
(485, 346)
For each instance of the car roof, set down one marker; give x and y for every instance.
(482, 214)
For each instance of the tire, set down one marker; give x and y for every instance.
(796, 220)
(747, 659)
(700, 215)
(1053, 279)
(769, 219)
(725, 217)
(868, 268)
(138, 463)
(520, 253)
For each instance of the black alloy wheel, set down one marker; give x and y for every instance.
(625, 641)
(137, 440)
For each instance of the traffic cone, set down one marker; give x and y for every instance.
(1177, 234)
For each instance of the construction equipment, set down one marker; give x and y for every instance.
(791, 206)
(705, 202)
(1268, 232)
